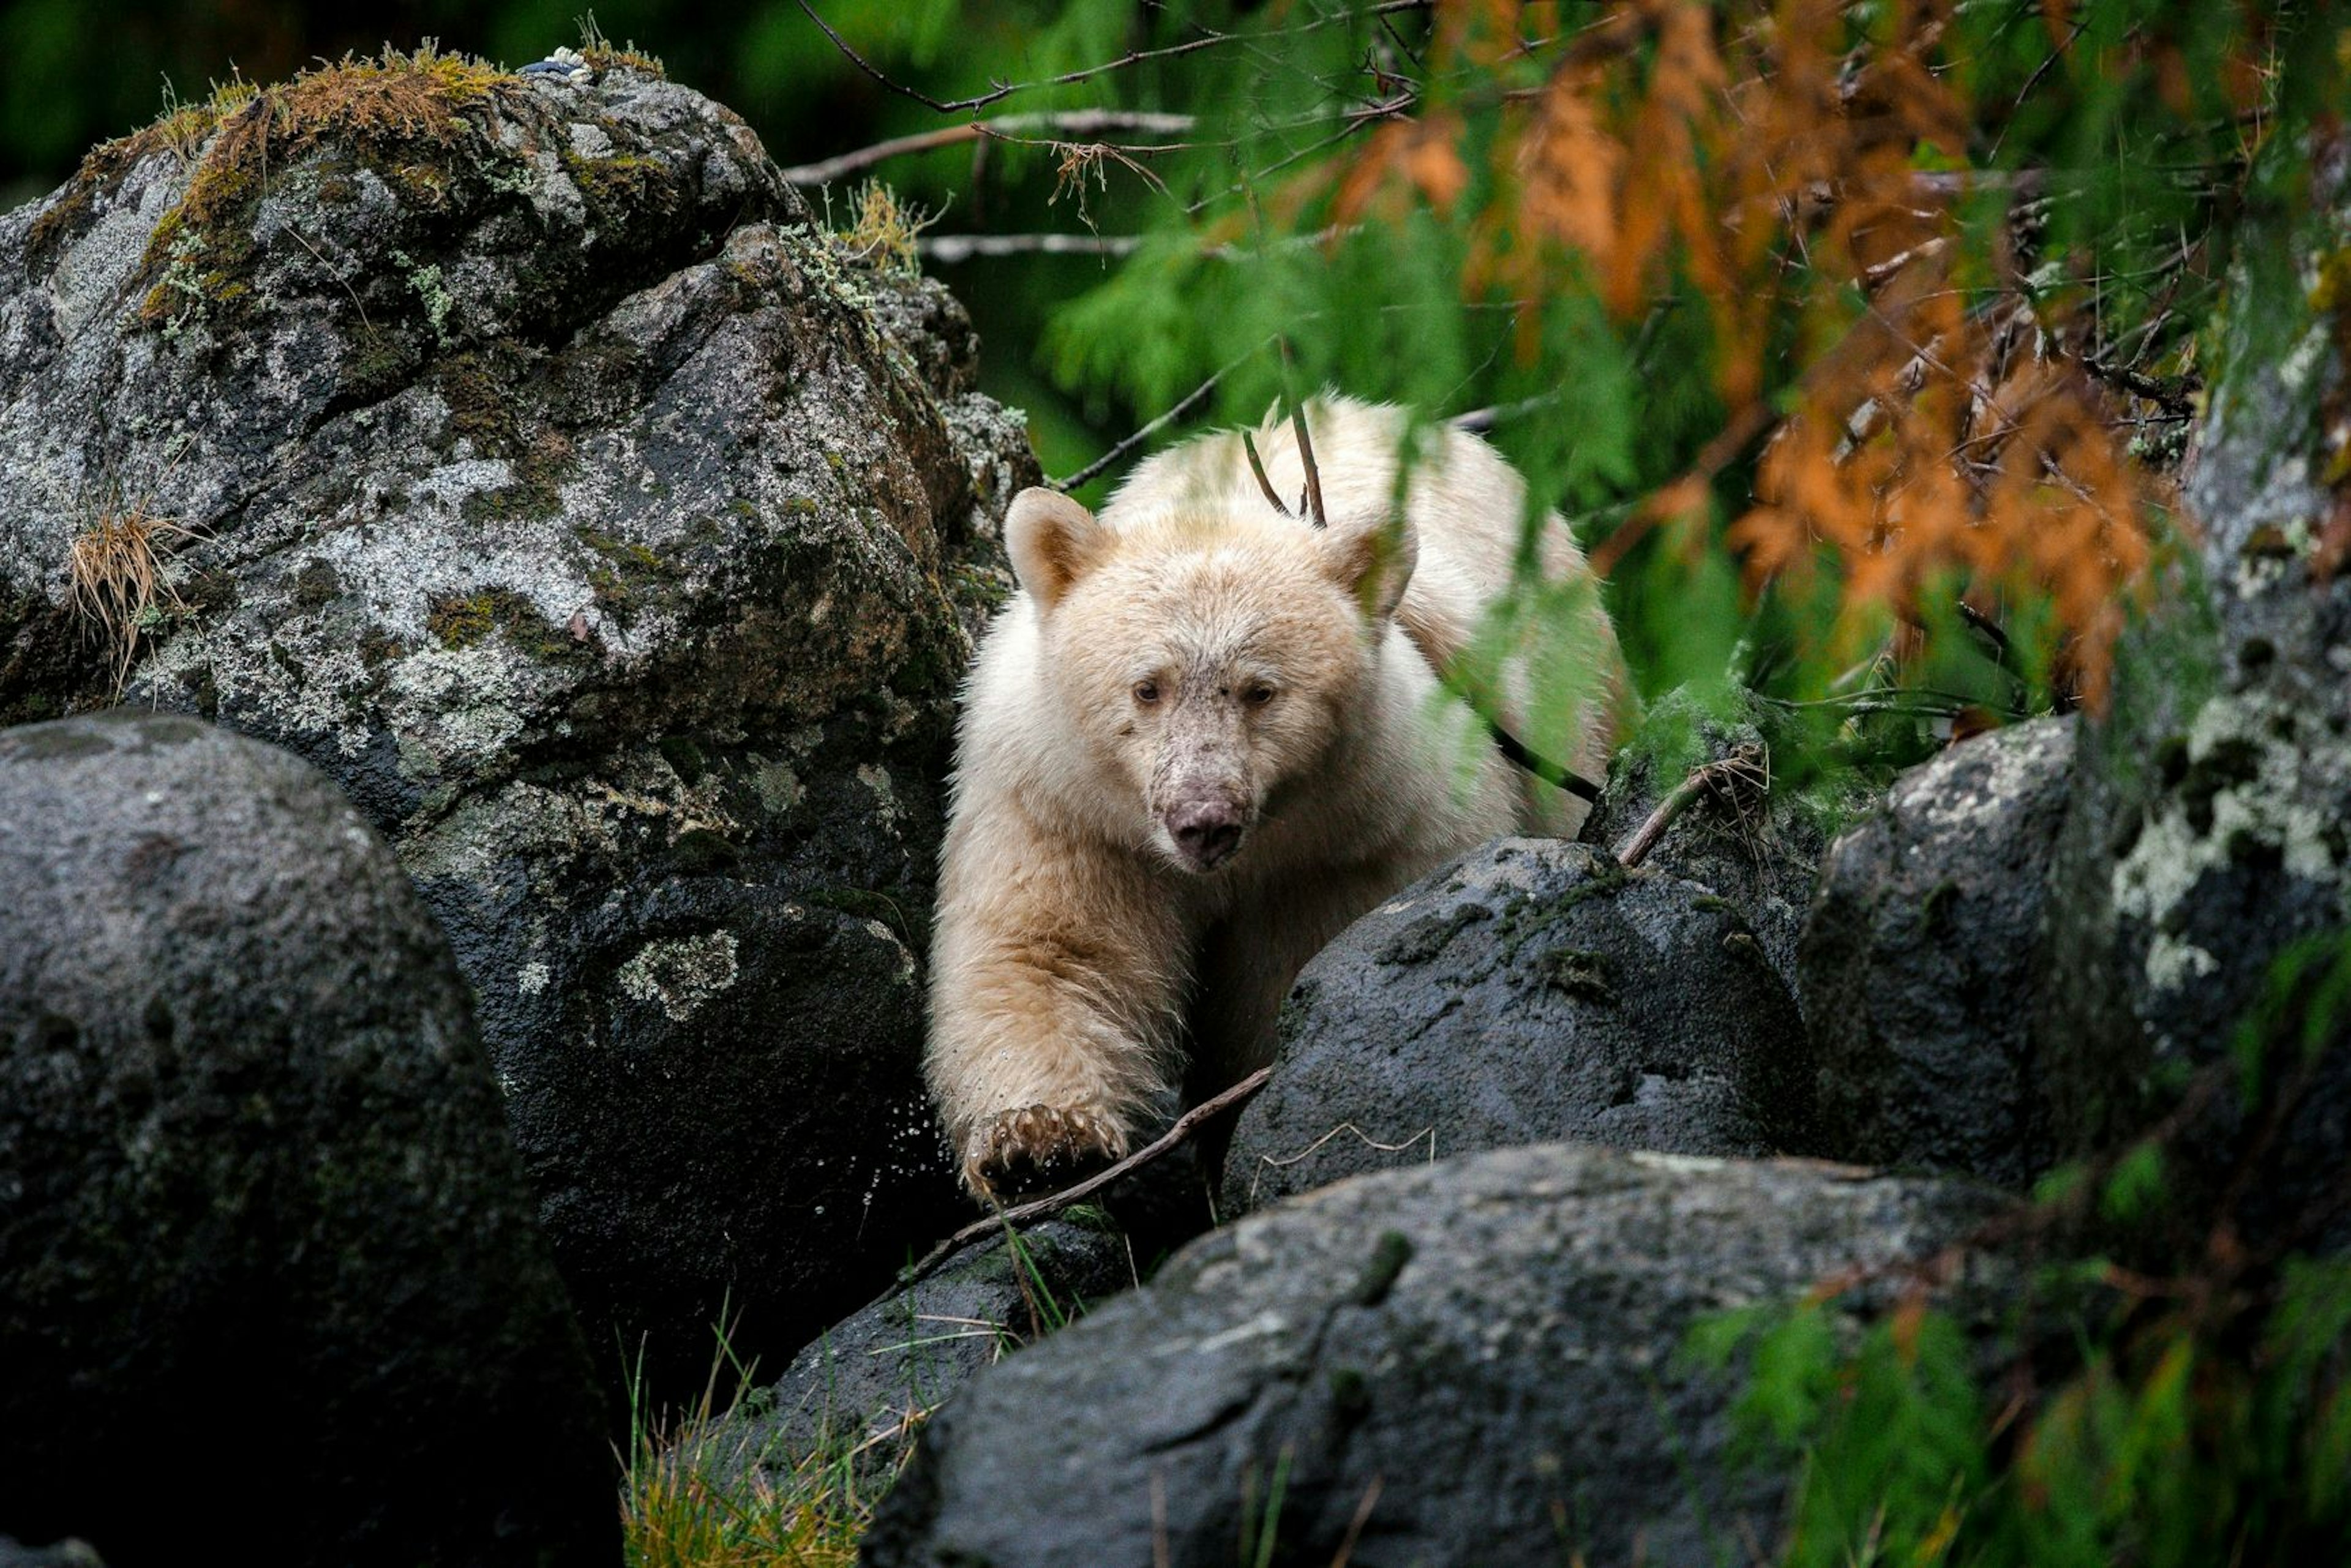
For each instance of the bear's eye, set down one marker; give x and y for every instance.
(1257, 695)
(1147, 692)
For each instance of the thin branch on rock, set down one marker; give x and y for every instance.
(1736, 778)
(1081, 123)
(1045, 1208)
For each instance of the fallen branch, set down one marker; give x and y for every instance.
(1746, 770)
(1081, 123)
(1045, 1208)
(948, 249)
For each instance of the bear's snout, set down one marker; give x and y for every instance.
(1206, 832)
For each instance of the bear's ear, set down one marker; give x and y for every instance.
(1053, 541)
(1371, 558)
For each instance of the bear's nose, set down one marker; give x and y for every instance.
(1206, 832)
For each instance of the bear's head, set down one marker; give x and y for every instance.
(1208, 659)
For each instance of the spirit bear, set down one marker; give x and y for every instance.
(1203, 736)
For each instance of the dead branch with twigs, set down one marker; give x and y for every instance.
(1045, 1208)
(1072, 124)
(1210, 38)
(1737, 784)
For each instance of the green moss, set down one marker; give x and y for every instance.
(377, 363)
(317, 584)
(1389, 1255)
(1582, 973)
(461, 620)
(683, 756)
(703, 852)
(404, 109)
(629, 576)
(623, 190)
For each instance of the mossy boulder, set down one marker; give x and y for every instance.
(522, 453)
(270, 1271)
(2210, 834)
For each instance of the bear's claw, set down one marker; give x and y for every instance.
(1038, 1148)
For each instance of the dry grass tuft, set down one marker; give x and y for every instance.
(883, 229)
(115, 568)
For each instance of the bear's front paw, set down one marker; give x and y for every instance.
(1039, 1149)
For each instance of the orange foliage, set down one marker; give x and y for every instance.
(1770, 156)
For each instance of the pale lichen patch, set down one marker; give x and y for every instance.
(682, 972)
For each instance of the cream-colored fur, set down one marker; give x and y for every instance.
(1191, 668)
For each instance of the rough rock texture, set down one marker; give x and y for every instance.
(610, 534)
(1529, 991)
(859, 1388)
(268, 1271)
(1515, 1314)
(2212, 825)
(1761, 856)
(1923, 960)
(70, 1553)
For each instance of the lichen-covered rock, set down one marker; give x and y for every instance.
(2212, 830)
(1479, 1358)
(1924, 958)
(860, 1390)
(269, 1268)
(1530, 991)
(523, 455)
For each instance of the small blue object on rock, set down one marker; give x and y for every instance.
(564, 64)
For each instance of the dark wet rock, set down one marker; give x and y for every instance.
(612, 536)
(70, 1553)
(1924, 958)
(862, 1387)
(1491, 1342)
(1529, 991)
(1760, 854)
(2212, 831)
(268, 1267)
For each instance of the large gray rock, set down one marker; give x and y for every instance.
(1490, 1343)
(610, 534)
(2211, 829)
(860, 1390)
(268, 1268)
(1530, 991)
(1923, 961)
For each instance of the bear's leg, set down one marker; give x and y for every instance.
(1053, 1012)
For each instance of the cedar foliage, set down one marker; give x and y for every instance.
(1858, 339)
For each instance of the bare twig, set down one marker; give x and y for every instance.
(1081, 123)
(1001, 90)
(1191, 400)
(1356, 1525)
(1257, 467)
(1746, 770)
(949, 249)
(1044, 1208)
(1312, 500)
